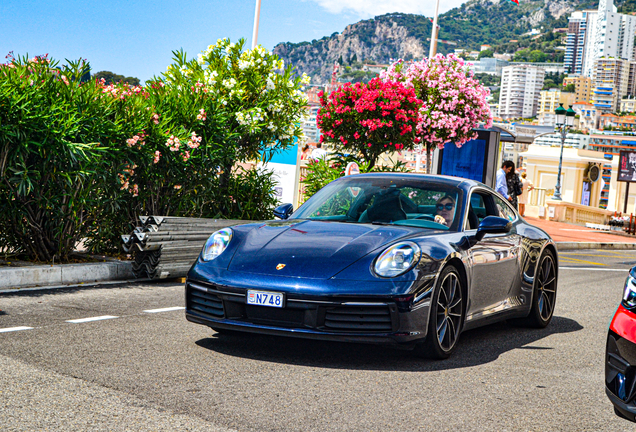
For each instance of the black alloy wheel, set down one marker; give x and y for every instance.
(544, 295)
(446, 316)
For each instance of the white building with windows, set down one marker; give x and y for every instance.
(520, 90)
(608, 34)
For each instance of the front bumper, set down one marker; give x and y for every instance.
(620, 363)
(367, 319)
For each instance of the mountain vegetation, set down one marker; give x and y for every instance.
(112, 78)
(502, 24)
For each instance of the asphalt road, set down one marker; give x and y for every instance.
(156, 371)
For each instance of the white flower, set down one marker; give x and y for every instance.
(270, 84)
(229, 83)
(243, 64)
(305, 79)
(200, 59)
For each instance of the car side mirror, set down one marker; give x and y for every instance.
(284, 211)
(493, 225)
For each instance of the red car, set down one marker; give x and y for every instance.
(620, 353)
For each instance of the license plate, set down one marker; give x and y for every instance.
(263, 298)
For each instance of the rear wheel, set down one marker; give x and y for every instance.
(446, 316)
(544, 295)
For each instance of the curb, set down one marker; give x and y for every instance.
(595, 245)
(48, 277)
(64, 275)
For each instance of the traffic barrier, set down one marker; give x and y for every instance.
(167, 246)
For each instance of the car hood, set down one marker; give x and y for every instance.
(311, 249)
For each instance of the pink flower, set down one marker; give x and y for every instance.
(157, 156)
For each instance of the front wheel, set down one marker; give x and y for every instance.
(544, 294)
(446, 316)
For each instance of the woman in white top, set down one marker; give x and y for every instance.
(527, 186)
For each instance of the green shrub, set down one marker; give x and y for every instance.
(323, 171)
(55, 156)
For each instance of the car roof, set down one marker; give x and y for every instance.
(451, 181)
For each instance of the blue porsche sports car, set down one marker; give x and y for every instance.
(407, 259)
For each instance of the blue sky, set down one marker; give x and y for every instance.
(136, 38)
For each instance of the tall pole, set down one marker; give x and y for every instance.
(257, 14)
(431, 52)
(557, 188)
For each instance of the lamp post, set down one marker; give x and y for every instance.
(432, 50)
(257, 15)
(564, 120)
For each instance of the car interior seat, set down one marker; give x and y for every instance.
(473, 220)
(386, 208)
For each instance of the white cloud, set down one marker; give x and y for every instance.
(366, 8)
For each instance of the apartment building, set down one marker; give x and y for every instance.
(588, 116)
(582, 87)
(549, 101)
(613, 120)
(602, 33)
(611, 145)
(611, 83)
(627, 105)
(575, 42)
(520, 90)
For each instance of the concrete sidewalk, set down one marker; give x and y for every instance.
(579, 237)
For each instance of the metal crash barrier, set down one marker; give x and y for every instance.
(167, 246)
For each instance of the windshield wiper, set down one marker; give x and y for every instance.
(381, 223)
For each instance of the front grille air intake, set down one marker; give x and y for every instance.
(358, 318)
(204, 303)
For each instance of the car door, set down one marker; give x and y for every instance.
(495, 269)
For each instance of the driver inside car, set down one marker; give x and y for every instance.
(445, 210)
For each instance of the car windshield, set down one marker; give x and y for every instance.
(385, 200)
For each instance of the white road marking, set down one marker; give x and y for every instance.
(10, 329)
(97, 318)
(168, 309)
(593, 269)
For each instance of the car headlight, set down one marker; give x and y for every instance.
(397, 260)
(216, 244)
(629, 293)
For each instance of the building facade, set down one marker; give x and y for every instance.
(608, 34)
(549, 101)
(616, 121)
(588, 116)
(627, 105)
(575, 43)
(611, 83)
(520, 90)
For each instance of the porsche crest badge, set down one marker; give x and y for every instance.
(280, 266)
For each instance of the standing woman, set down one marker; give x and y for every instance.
(527, 186)
(514, 186)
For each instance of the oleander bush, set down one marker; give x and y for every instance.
(82, 160)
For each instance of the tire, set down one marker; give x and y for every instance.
(543, 294)
(446, 316)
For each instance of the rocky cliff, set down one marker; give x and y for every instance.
(405, 36)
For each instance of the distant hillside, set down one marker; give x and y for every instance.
(477, 22)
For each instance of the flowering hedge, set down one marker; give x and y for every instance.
(370, 119)
(85, 159)
(453, 101)
(58, 141)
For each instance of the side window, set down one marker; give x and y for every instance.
(476, 211)
(503, 209)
